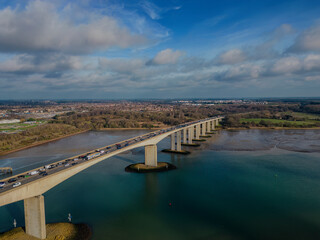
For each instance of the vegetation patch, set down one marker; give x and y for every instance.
(276, 119)
(34, 135)
(55, 231)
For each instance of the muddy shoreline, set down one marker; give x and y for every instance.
(121, 129)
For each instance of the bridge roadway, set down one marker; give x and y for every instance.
(31, 187)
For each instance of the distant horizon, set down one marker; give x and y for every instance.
(168, 99)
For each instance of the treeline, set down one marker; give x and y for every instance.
(115, 118)
(34, 135)
(98, 119)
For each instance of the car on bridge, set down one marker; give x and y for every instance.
(2, 184)
(12, 180)
(33, 173)
(16, 184)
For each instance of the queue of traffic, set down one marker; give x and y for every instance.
(54, 167)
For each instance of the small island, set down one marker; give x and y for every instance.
(142, 168)
(55, 231)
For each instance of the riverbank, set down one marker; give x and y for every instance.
(111, 129)
(69, 135)
(55, 231)
(40, 143)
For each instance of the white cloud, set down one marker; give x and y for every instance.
(40, 27)
(151, 9)
(232, 56)
(287, 65)
(167, 56)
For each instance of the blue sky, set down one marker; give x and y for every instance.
(107, 49)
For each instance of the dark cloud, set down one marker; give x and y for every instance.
(307, 41)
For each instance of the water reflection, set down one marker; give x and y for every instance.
(151, 190)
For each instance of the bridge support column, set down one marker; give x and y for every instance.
(190, 134)
(35, 219)
(173, 142)
(184, 135)
(213, 124)
(179, 141)
(203, 129)
(198, 131)
(150, 155)
(208, 126)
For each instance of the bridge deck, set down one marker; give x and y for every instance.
(69, 163)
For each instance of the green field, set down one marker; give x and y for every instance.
(304, 115)
(279, 121)
(12, 127)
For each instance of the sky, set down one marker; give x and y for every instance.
(154, 49)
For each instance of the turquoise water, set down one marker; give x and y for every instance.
(268, 193)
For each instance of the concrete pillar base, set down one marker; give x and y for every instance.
(175, 151)
(199, 140)
(35, 218)
(205, 136)
(142, 168)
(150, 153)
(190, 144)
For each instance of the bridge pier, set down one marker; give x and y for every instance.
(35, 219)
(190, 138)
(179, 141)
(150, 155)
(184, 136)
(204, 130)
(176, 146)
(173, 142)
(198, 131)
(190, 134)
(208, 126)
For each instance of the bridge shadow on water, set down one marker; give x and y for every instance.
(125, 159)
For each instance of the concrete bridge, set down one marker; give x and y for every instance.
(32, 188)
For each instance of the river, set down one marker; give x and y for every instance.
(247, 184)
